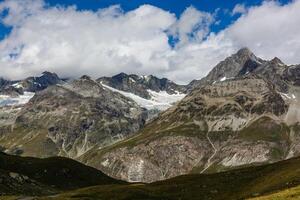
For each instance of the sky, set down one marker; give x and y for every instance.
(178, 39)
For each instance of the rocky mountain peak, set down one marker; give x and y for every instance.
(85, 77)
(245, 51)
(140, 85)
(240, 63)
(121, 76)
(276, 60)
(244, 55)
(47, 73)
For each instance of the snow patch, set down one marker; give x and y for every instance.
(223, 79)
(287, 96)
(6, 100)
(132, 80)
(159, 100)
(17, 85)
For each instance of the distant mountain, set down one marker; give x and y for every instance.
(140, 85)
(38, 83)
(69, 120)
(16, 93)
(149, 92)
(245, 112)
(245, 62)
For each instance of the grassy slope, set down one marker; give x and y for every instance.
(236, 184)
(288, 194)
(57, 173)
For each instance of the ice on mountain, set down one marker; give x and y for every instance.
(6, 100)
(159, 100)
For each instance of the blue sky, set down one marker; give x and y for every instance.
(177, 39)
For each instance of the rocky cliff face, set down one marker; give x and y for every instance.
(70, 119)
(250, 117)
(34, 84)
(140, 85)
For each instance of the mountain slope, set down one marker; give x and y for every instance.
(70, 119)
(231, 185)
(224, 124)
(33, 176)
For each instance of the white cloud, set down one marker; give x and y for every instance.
(270, 30)
(239, 9)
(72, 42)
(192, 25)
(108, 41)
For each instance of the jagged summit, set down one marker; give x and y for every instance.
(243, 55)
(240, 63)
(245, 51)
(243, 63)
(277, 61)
(85, 77)
(140, 85)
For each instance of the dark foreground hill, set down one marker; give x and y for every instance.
(33, 176)
(236, 184)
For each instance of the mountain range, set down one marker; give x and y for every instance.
(240, 118)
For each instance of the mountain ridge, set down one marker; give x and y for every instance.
(229, 122)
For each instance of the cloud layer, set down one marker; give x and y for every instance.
(73, 42)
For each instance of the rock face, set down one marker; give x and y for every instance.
(34, 84)
(140, 85)
(16, 93)
(3, 82)
(70, 119)
(250, 117)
